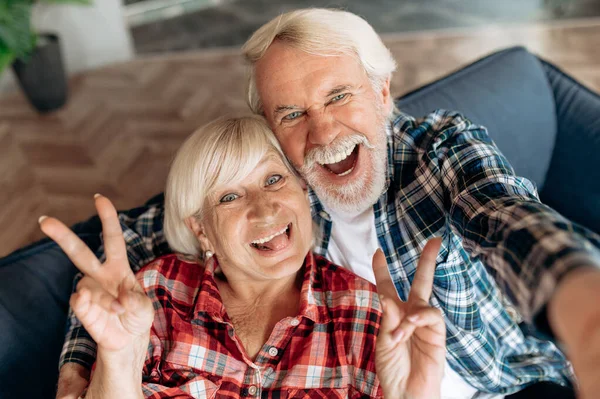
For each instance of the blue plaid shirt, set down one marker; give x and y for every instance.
(503, 251)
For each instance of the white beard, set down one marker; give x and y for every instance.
(360, 194)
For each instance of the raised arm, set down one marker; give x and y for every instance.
(110, 304)
(537, 257)
(527, 246)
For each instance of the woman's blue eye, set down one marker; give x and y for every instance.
(228, 197)
(292, 115)
(339, 97)
(273, 179)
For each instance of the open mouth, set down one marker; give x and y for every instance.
(342, 164)
(273, 242)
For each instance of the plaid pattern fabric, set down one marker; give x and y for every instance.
(327, 351)
(502, 254)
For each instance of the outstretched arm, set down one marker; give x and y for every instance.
(574, 316)
(536, 256)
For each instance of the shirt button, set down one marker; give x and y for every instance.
(325, 215)
(252, 390)
(273, 351)
(295, 322)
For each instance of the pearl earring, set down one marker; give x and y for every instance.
(208, 255)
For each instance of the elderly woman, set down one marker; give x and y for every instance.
(244, 308)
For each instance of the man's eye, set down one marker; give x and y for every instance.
(273, 179)
(339, 97)
(292, 116)
(228, 197)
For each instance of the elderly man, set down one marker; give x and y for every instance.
(380, 178)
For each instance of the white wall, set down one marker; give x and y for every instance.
(91, 36)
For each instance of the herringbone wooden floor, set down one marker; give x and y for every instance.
(123, 123)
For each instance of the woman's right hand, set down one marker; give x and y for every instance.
(109, 302)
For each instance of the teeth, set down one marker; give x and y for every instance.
(346, 172)
(340, 156)
(269, 238)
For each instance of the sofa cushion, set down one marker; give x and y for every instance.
(35, 286)
(33, 307)
(508, 93)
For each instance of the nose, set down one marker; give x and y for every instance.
(323, 128)
(263, 207)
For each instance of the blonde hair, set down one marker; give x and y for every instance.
(324, 32)
(221, 152)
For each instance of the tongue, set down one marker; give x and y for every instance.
(343, 166)
(276, 243)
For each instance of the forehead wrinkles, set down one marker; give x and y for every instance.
(301, 79)
(307, 94)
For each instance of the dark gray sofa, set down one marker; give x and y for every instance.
(546, 123)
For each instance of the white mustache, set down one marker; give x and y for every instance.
(341, 145)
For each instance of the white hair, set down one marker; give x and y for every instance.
(324, 32)
(221, 152)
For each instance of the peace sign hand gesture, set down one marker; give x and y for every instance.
(109, 302)
(411, 345)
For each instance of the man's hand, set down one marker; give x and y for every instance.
(411, 345)
(72, 380)
(109, 302)
(574, 315)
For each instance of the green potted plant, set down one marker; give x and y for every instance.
(35, 57)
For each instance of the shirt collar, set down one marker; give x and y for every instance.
(313, 301)
(209, 299)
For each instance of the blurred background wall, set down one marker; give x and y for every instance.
(91, 36)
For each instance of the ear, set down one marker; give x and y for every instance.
(386, 97)
(198, 230)
(304, 187)
(303, 184)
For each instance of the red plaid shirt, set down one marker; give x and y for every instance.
(327, 351)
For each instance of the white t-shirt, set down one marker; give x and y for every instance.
(352, 244)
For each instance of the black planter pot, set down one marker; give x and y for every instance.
(42, 76)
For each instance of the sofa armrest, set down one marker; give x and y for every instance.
(573, 180)
(35, 287)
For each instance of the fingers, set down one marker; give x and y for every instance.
(114, 242)
(385, 286)
(391, 315)
(139, 312)
(76, 250)
(429, 318)
(90, 293)
(134, 301)
(423, 281)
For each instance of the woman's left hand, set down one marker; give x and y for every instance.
(411, 345)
